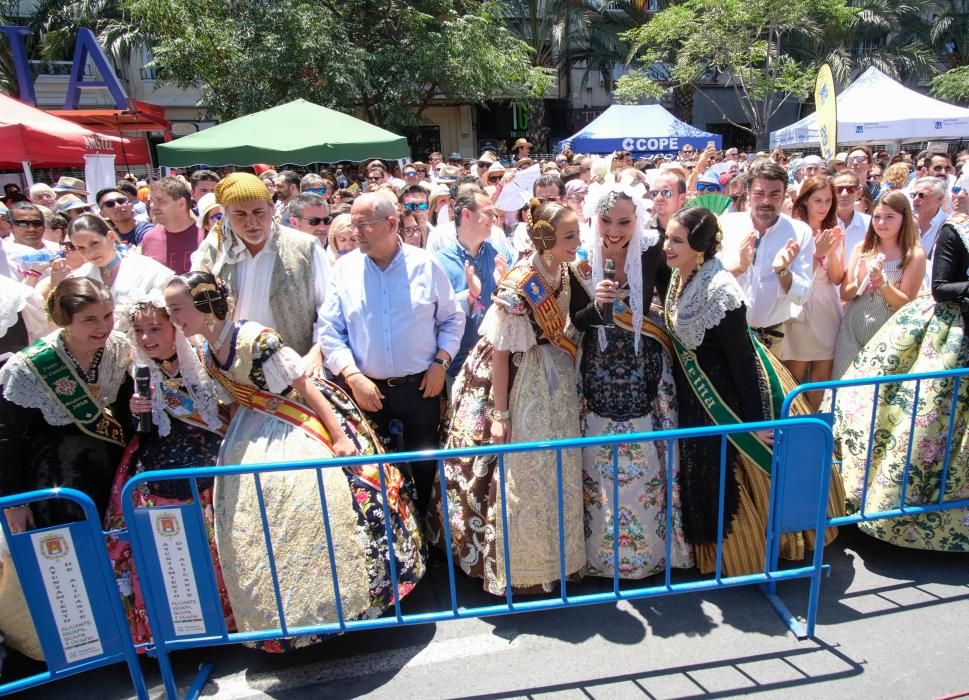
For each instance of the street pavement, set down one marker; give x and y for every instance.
(893, 623)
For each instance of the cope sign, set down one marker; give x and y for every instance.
(662, 143)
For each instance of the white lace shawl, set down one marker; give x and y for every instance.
(24, 388)
(642, 239)
(708, 297)
(194, 377)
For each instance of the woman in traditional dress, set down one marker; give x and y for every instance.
(129, 278)
(517, 385)
(808, 350)
(187, 432)
(884, 273)
(281, 415)
(626, 375)
(739, 381)
(64, 421)
(926, 335)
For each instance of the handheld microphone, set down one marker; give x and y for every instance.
(609, 273)
(143, 387)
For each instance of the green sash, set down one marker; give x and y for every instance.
(720, 413)
(72, 393)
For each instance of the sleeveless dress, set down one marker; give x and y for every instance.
(810, 336)
(543, 404)
(271, 424)
(866, 313)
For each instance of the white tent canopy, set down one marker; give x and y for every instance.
(876, 109)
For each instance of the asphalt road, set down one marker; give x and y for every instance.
(893, 623)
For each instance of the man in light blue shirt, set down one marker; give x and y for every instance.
(473, 264)
(391, 325)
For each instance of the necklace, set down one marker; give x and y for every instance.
(89, 374)
(171, 377)
(110, 271)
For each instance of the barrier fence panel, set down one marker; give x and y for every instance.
(71, 594)
(174, 560)
(906, 393)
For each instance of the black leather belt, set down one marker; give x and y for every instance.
(399, 381)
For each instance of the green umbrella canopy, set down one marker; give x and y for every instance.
(299, 132)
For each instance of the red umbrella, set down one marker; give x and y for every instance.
(45, 141)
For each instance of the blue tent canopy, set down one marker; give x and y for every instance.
(640, 129)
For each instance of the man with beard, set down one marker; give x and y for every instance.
(175, 237)
(277, 276)
(770, 253)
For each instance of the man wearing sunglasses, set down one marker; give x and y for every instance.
(414, 200)
(847, 189)
(116, 209)
(310, 214)
(669, 196)
(928, 194)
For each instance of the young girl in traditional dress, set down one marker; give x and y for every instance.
(281, 416)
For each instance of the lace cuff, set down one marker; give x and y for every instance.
(282, 368)
(507, 331)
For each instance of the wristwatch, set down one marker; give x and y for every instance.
(496, 415)
(783, 272)
(444, 363)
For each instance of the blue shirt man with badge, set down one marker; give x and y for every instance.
(473, 264)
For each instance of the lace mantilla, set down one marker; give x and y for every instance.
(708, 297)
(24, 388)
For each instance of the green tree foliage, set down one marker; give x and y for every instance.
(389, 59)
(953, 85)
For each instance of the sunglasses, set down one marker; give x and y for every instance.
(919, 195)
(707, 187)
(316, 220)
(858, 159)
(28, 223)
(957, 189)
(374, 179)
(416, 206)
(850, 189)
(215, 218)
(494, 178)
(315, 190)
(112, 203)
(665, 194)
(410, 173)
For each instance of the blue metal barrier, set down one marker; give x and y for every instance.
(958, 377)
(174, 561)
(71, 594)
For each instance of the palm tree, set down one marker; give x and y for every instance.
(949, 31)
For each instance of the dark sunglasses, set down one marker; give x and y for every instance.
(215, 218)
(495, 178)
(416, 206)
(850, 189)
(957, 189)
(919, 195)
(858, 159)
(665, 194)
(707, 187)
(26, 223)
(375, 179)
(316, 220)
(410, 173)
(112, 203)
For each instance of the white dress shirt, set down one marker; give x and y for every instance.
(389, 322)
(928, 243)
(767, 304)
(855, 232)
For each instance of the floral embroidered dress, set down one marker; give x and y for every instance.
(528, 319)
(271, 424)
(188, 433)
(740, 382)
(627, 387)
(926, 335)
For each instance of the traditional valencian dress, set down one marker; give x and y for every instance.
(926, 335)
(719, 360)
(188, 433)
(627, 387)
(528, 319)
(273, 424)
(60, 425)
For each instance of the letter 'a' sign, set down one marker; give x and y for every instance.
(86, 47)
(824, 99)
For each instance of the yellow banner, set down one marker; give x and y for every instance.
(824, 99)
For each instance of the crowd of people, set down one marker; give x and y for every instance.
(287, 317)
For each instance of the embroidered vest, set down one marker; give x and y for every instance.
(292, 296)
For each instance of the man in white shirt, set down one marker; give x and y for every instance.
(847, 187)
(277, 275)
(928, 194)
(770, 253)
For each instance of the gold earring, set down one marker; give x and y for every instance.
(547, 259)
(700, 259)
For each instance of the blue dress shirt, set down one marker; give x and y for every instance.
(452, 258)
(389, 322)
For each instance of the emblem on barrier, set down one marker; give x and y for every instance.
(167, 525)
(54, 547)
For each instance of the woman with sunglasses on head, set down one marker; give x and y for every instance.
(127, 277)
(810, 334)
(907, 453)
(885, 272)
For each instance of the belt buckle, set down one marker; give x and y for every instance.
(394, 381)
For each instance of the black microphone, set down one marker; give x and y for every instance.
(609, 273)
(143, 388)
